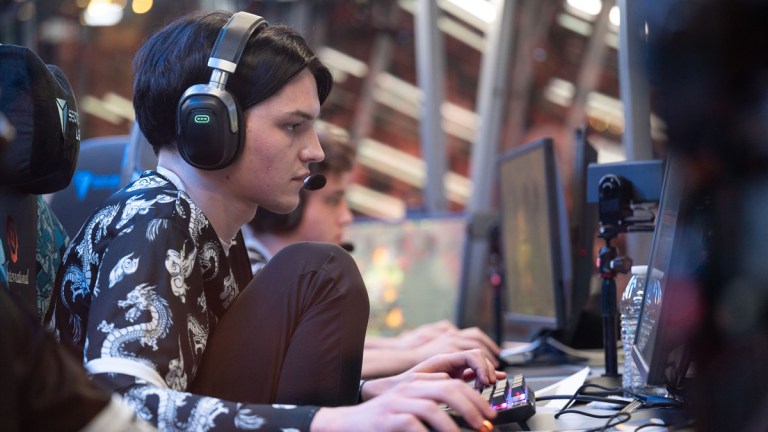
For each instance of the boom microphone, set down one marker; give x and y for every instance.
(314, 182)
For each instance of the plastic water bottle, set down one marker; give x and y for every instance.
(631, 303)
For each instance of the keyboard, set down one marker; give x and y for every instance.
(513, 401)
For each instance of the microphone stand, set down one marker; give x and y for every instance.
(609, 264)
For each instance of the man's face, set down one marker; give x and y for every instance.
(280, 142)
(326, 213)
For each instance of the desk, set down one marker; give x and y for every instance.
(540, 377)
(544, 420)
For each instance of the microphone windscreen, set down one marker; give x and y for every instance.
(314, 182)
(347, 246)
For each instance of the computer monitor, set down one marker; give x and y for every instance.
(678, 252)
(535, 242)
(411, 269)
(582, 331)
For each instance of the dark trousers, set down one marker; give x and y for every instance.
(294, 335)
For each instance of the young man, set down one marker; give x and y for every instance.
(322, 216)
(154, 295)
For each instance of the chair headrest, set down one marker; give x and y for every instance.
(38, 101)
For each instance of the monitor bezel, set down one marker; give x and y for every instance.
(667, 363)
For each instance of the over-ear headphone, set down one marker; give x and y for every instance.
(209, 120)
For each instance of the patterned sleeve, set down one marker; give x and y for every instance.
(147, 330)
(52, 241)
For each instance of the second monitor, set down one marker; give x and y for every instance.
(535, 242)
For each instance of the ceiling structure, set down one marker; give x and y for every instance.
(549, 67)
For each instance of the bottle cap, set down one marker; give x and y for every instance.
(657, 274)
(643, 270)
(639, 270)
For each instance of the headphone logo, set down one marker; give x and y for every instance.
(202, 118)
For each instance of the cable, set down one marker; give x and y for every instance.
(578, 393)
(650, 424)
(584, 398)
(618, 416)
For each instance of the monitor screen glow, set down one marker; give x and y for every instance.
(411, 269)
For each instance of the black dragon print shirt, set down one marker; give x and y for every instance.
(141, 287)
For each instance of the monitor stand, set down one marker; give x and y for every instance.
(608, 381)
(543, 350)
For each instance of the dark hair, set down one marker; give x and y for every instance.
(176, 57)
(339, 159)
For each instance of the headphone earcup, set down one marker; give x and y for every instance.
(209, 127)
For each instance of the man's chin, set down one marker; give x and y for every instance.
(281, 208)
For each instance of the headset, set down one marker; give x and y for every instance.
(209, 120)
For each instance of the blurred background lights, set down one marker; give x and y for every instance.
(102, 13)
(141, 6)
(590, 7)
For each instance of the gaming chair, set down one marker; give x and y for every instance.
(40, 158)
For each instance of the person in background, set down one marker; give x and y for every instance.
(156, 294)
(322, 216)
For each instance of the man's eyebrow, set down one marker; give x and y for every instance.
(303, 114)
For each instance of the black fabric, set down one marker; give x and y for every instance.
(18, 238)
(39, 103)
(294, 335)
(43, 387)
(96, 178)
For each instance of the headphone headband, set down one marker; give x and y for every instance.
(232, 39)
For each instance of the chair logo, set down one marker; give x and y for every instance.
(13, 239)
(66, 115)
(63, 113)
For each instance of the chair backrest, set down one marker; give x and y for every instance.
(96, 177)
(105, 165)
(40, 158)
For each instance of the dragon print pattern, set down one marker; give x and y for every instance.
(157, 306)
(202, 418)
(246, 420)
(197, 221)
(80, 277)
(136, 205)
(198, 334)
(125, 266)
(230, 291)
(209, 260)
(176, 378)
(154, 227)
(146, 183)
(142, 298)
(179, 266)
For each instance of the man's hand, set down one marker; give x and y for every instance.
(464, 365)
(454, 340)
(411, 406)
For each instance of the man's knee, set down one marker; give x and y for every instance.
(332, 261)
(315, 255)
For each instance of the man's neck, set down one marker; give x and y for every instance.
(225, 213)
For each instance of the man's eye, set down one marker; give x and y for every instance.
(333, 201)
(293, 127)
